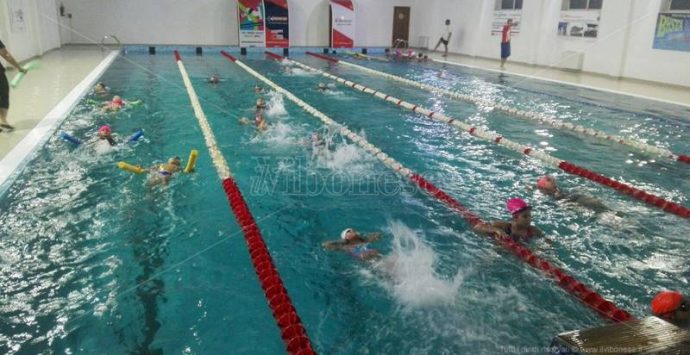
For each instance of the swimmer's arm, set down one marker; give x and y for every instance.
(495, 229)
(540, 234)
(332, 245)
(10, 59)
(372, 237)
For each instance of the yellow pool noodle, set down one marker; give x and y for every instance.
(191, 161)
(131, 168)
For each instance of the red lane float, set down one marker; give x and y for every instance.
(274, 56)
(593, 300)
(291, 329)
(326, 58)
(668, 206)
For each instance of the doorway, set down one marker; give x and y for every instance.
(401, 26)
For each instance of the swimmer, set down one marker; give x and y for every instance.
(355, 244)
(672, 307)
(105, 133)
(214, 79)
(113, 106)
(162, 173)
(260, 104)
(244, 121)
(260, 122)
(519, 228)
(322, 87)
(548, 186)
(258, 89)
(100, 88)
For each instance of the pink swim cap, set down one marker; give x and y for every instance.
(543, 181)
(105, 129)
(516, 205)
(118, 101)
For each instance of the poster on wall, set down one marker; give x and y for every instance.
(500, 18)
(583, 23)
(251, 20)
(16, 10)
(673, 32)
(277, 24)
(343, 24)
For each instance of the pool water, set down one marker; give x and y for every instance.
(94, 260)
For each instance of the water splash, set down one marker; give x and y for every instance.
(276, 106)
(410, 275)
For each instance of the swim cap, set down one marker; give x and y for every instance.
(174, 160)
(666, 302)
(516, 205)
(543, 181)
(343, 235)
(118, 100)
(105, 129)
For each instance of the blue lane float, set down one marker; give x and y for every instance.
(67, 138)
(135, 136)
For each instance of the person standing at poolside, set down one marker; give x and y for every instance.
(505, 41)
(5, 88)
(445, 39)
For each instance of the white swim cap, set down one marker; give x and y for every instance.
(343, 235)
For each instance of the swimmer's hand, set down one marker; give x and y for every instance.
(332, 245)
(372, 237)
(499, 233)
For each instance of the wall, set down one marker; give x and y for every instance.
(39, 34)
(623, 47)
(214, 22)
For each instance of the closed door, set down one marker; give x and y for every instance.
(401, 23)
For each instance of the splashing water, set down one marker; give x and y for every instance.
(276, 106)
(409, 271)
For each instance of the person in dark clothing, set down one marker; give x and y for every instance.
(5, 88)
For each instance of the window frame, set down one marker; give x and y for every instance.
(669, 5)
(567, 3)
(499, 5)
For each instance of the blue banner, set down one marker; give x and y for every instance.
(673, 32)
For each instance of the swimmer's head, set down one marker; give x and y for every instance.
(348, 234)
(214, 79)
(322, 86)
(117, 100)
(257, 89)
(260, 101)
(547, 184)
(175, 161)
(100, 87)
(104, 131)
(520, 211)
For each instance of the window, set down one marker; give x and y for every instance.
(680, 5)
(511, 4)
(582, 4)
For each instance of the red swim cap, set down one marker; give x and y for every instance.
(666, 302)
(543, 181)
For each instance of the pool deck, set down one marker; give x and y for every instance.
(63, 69)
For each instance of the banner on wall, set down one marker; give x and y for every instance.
(343, 24)
(277, 24)
(583, 23)
(673, 32)
(251, 20)
(16, 10)
(500, 18)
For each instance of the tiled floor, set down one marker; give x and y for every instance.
(41, 89)
(662, 92)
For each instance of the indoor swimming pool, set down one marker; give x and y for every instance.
(95, 260)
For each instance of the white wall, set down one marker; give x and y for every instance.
(214, 22)
(39, 34)
(623, 46)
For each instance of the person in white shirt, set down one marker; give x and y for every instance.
(445, 39)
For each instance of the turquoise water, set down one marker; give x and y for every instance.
(93, 260)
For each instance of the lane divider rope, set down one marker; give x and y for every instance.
(650, 199)
(542, 118)
(291, 329)
(586, 295)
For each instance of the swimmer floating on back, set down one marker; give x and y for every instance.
(117, 103)
(355, 244)
(519, 228)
